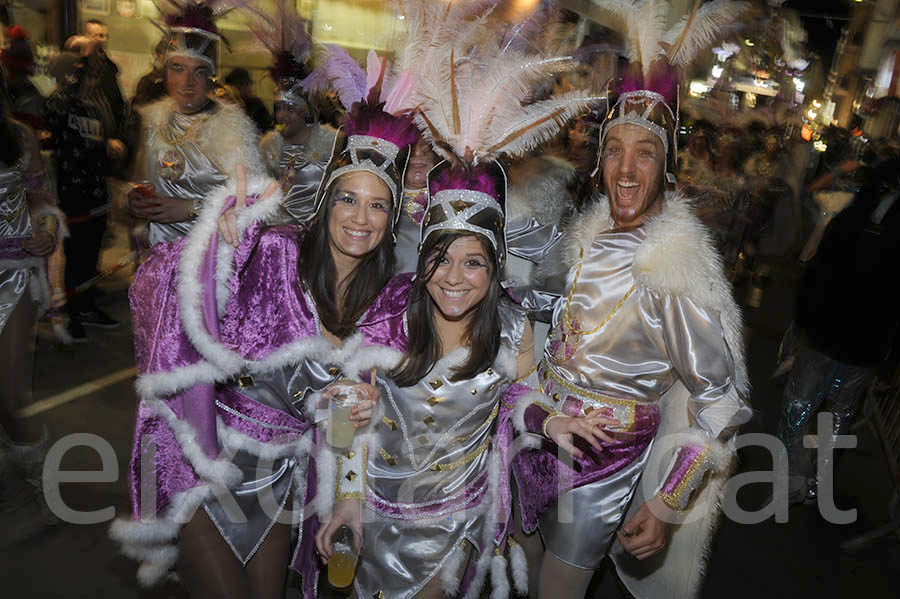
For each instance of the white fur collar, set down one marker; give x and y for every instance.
(229, 137)
(677, 257)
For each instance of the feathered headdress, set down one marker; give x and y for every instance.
(190, 26)
(378, 128)
(285, 34)
(476, 104)
(649, 90)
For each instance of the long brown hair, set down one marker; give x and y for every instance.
(482, 335)
(319, 275)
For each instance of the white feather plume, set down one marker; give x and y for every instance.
(703, 28)
(644, 27)
(475, 101)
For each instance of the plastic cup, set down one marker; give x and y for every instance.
(342, 563)
(341, 429)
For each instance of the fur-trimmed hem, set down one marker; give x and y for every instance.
(159, 384)
(522, 404)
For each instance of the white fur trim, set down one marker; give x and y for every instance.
(234, 440)
(219, 472)
(157, 384)
(190, 289)
(451, 574)
(499, 580)
(519, 564)
(678, 257)
(228, 137)
(525, 400)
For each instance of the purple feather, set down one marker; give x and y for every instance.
(339, 72)
(194, 17)
(364, 119)
(478, 178)
(662, 78)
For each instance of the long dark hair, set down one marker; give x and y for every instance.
(319, 275)
(482, 335)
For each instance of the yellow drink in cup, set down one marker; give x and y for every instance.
(342, 563)
(341, 429)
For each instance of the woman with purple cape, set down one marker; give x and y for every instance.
(237, 327)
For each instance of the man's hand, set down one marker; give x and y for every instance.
(648, 531)
(41, 243)
(561, 430)
(347, 512)
(157, 208)
(228, 220)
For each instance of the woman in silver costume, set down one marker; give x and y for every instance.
(29, 231)
(291, 309)
(29, 222)
(190, 144)
(421, 490)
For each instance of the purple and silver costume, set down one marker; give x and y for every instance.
(432, 475)
(642, 310)
(204, 314)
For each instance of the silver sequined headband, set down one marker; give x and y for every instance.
(642, 120)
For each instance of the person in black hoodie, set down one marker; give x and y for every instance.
(845, 318)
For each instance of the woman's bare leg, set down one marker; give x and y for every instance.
(206, 564)
(559, 580)
(267, 569)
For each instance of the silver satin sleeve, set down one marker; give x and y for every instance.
(695, 342)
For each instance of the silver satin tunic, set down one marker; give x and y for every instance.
(409, 229)
(15, 224)
(649, 341)
(437, 435)
(185, 171)
(301, 167)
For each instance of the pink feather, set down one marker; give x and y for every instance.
(396, 100)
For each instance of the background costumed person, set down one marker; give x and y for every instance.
(284, 310)
(297, 152)
(30, 226)
(646, 333)
(426, 491)
(190, 144)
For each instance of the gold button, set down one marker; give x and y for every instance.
(436, 383)
(333, 370)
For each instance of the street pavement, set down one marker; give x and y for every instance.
(797, 558)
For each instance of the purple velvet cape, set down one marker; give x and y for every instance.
(266, 311)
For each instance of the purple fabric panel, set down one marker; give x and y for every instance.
(160, 344)
(534, 418)
(537, 470)
(266, 309)
(470, 498)
(171, 473)
(306, 559)
(382, 324)
(503, 445)
(257, 413)
(198, 408)
(684, 459)
(11, 248)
